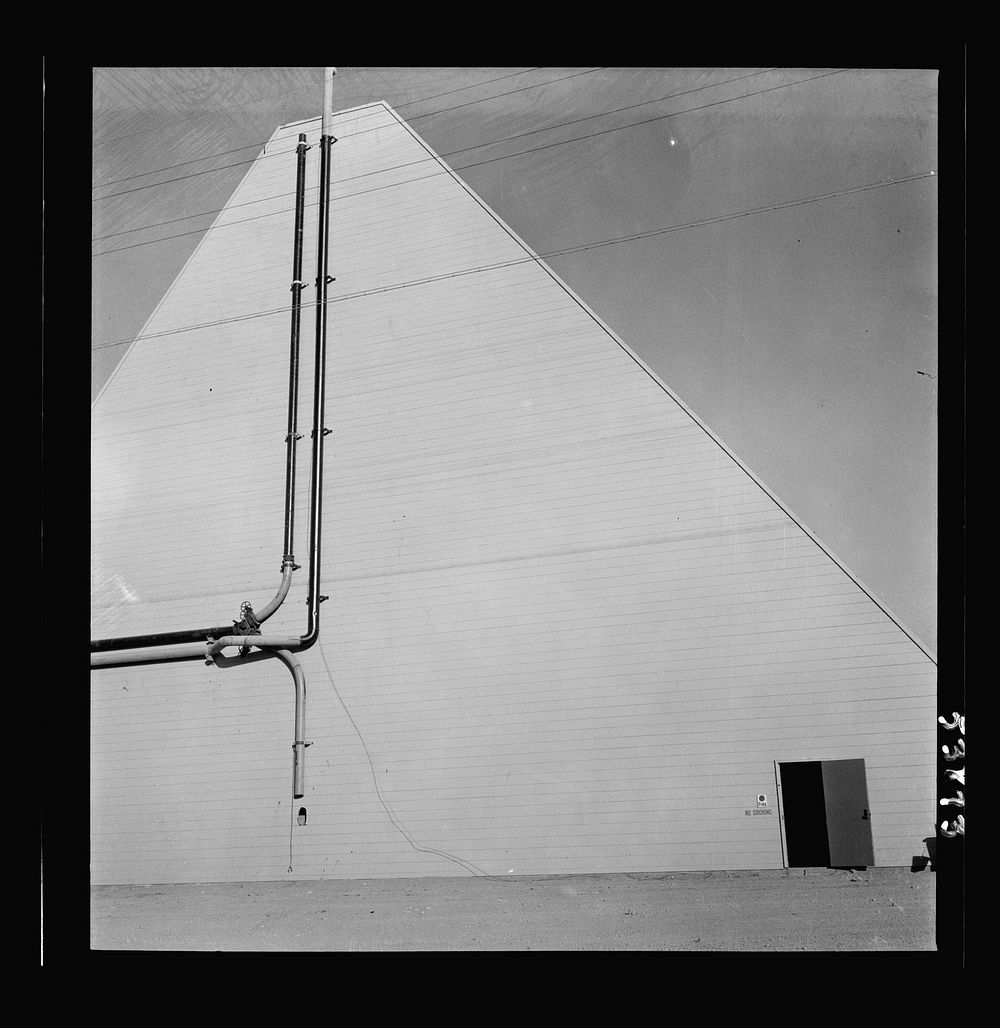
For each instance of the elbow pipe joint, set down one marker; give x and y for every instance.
(299, 744)
(265, 612)
(299, 679)
(290, 643)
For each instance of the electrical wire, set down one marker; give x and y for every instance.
(394, 820)
(386, 806)
(459, 89)
(546, 146)
(537, 257)
(237, 164)
(408, 103)
(450, 153)
(475, 164)
(264, 142)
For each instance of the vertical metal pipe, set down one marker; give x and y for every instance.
(328, 74)
(212, 651)
(299, 745)
(319, 405)
(319, 382)
(293, 362)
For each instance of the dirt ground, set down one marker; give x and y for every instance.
(815, 909)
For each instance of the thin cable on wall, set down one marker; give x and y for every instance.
(394, 820)
(471, 867)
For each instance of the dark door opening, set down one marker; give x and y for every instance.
(826, 817)
(804, 808)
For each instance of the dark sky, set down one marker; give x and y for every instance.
(787, 292)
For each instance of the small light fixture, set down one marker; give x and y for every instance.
(302, 815)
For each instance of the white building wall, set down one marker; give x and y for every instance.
(566, 631)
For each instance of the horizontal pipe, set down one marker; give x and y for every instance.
(158, 639)
(207, 649)
(271, 642)
(159, 654)
(133, 642)
(123, 651)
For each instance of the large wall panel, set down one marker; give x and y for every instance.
(567, 631)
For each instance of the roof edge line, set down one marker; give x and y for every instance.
(659, 381)
(337, 114)
(194, 253)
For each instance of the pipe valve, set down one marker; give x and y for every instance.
(249, 625)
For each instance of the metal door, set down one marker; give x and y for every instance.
(848, 816)
(825, 818)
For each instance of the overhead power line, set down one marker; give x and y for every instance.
(450, 153)
(475, 164)
(517, 135)
(237, 164)
(534, 258)
(262, 142)
(408, 103)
